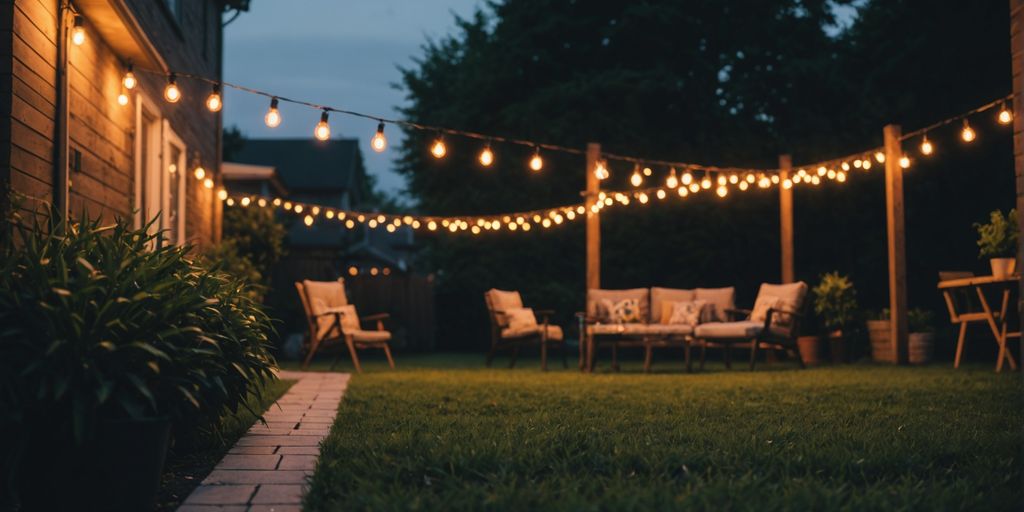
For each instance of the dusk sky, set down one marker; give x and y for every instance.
(340, 53)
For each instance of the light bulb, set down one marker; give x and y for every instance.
(660, 193)
(273, 117)
(858, 163)
(323, 129)
(845, 166)
(822, 170)
(122, 99)
(926, 146)
(672, 181)
(536, 162)
(967, 134)
(129, 81)
(722, 191)
(694, 187)
(1005, 116)
(648, 171)
(841, 176)
(787, 183)
(171, 92)
(601, 171)
(208, 183)
(904, 161)
(636, 179)
(705, 183)
(213, 101)
(880, 157)
(308, 220)
(200, 173)
(687, 179)
(379, 142)
(866, 165)
(222, 194)
(643, 198)
(78, 31)
(439, 150)
(245, 201)
(744, 185)
(486, 156)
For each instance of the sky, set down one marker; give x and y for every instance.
(342, 53)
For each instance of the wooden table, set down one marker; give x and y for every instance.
(997, 320)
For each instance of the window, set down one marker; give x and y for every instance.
(174, 180)
(175, 11)
(159, 174)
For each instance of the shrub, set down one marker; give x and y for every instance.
(998, 238)
(226, 257)
(835, 301)
(256, 235)
(107, 322)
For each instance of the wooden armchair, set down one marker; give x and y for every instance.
(963, 309)
(778, 330)
(331, 320)
(505, 336)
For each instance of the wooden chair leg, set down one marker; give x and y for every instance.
(703, 352)
(648, 355)
(793, 352)
(960, 344)
(565, 358)
(753, 354)
(728, 356)
(311, 351)
(352, 352)
(515, 354)
(387, 352)
(543, 355)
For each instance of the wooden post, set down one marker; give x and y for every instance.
(593, 219)
(786, 220)
(1017, 71)
(897, 243)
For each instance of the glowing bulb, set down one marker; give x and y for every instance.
(200, 173)
(721, 180)
(722, 191)
(694, 187)
(379, 142)
(439, 150)
(926, 146)
(831, 174)
(536, 163)
(222, 194)
(845, 166)
(822, 170)
(751, 179)
(787, 184)
(841, 176)
(687, 179)
(744, 185)
(880, 157)
(129, 81)
(122, 99)
(660, 194)
(1005, 116)
(601, 171)
(636, 179)
(245, 201)
(213, 101)
(323, 129)
(672, 181)
(308, 220)
(682, 191)
(229, 202)
(171, 92)
(775, 179)
(78, 32)
(705, 183)
(262, 202)
(432, 226)
(858, 163)
(298, 208)
(208, 183)
(967, 134)
(273, 117)
(904, 162)
(486, 156)
(733, 179)
(867, 164)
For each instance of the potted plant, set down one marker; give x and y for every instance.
(835, 303)
(110, 339)
(997, 241)
(920, 340)
(880, 338)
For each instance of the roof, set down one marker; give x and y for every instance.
(304, 164)
(237, 171)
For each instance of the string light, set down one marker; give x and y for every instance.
(273, 117)
(967, 133)
(1005, 116)
(687, 178)
(213, 101)
(78, 31)
(648, 171)
(171, 92)
(486, 157)
(208, 183)
(705, 183)
(379, 142)
(322, 131)
(536, 162)
(601, 170)
(672, 181)
(308, 220)
(904, 161)
(636, 179)
(222, 194)
(439, 150)
(245, 201)
(880, 157)
(129, 81)
(926, 146)
(199, 173)
(122, 99)
(722, 191)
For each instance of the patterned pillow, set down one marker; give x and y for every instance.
(520, 318)
(686, 312)
(621, 312)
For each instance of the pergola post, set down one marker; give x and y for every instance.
(1017, 70)
(786, 220)
(896, 243)
(593, 219)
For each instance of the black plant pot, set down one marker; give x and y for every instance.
(118, 470)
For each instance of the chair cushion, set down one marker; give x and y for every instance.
(685, 312)
(500, 300)
(554, 332)
(735, 330)
(330, 293)
(520, 318)
(369, 336)
(718, 301)
(594, 296)
(659, 296)
(788, 297)
(668, 329)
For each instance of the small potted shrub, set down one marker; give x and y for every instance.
(111, 339)
(920, 339)
(997, 241)
(835, 303)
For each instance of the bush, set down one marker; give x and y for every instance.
(835, 301)
(256, 235)
(998, 238)
(108, 322)
(226, 257)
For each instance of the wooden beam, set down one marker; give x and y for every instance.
(593, 219)
(786, 220)
(897, 242)
(1017, 72)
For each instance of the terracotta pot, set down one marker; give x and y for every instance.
(1002, 267)
(810, 349)
(837, 347)
(881, 344)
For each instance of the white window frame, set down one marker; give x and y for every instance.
(171, 138)
(146, 111)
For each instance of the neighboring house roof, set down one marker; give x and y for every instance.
(305, 164)
(236, 172)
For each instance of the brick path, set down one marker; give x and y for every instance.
(267, 469)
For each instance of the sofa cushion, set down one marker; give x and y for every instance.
(719, 300)
(636, 329)
(594, 296)
(686, 312)
(659, 296)
(735, 330)
(668, 329)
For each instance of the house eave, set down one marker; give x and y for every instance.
(121, 30)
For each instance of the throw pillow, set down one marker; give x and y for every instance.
(761, 307)
(686, 312)
(520, 318)
(621, 312)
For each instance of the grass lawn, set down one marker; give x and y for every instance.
(184, 471)
(443, 433)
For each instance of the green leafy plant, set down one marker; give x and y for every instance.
(998, 238)
(835, 301)
(256, 235)
(108, 322)
(918, 319)
(226, 257)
